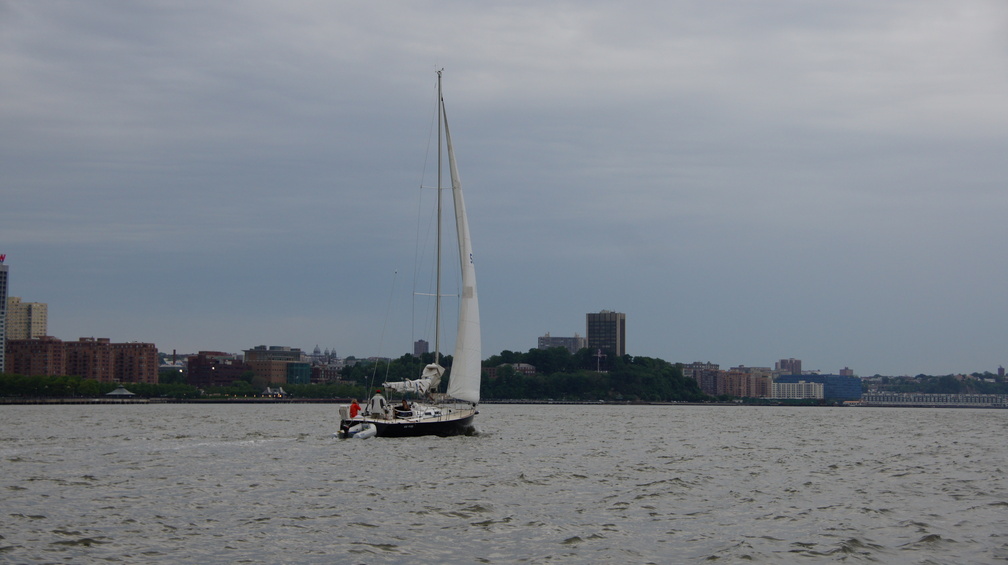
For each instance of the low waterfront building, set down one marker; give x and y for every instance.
(571, 344)
(273, 353)
(279, 364)
(90, 358)
(40, 357)
(935, 400)
(835, 387)
(215, 368)
(742, 384)
(801, 390)
(135, 362)
(705, 374)
(325, 374)
(519, 368)
(298, 373)
(270, 371)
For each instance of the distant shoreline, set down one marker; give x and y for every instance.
(12, 401)
(17, 400)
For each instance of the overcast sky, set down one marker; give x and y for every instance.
(747, 181)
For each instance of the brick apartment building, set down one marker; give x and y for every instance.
(215, 368)
(88, 357)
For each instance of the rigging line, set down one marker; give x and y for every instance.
(381, 340)
(421, 259)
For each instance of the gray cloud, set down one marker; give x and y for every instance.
(745, 181)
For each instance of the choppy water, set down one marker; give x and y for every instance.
(539, 484)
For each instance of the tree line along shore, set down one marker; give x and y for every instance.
(558, 376)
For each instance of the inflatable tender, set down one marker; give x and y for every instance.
(363, 430)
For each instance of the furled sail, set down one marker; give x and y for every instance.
(429, 379)
(464, 379)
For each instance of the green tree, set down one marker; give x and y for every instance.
(171, 376)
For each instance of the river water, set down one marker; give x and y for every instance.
(186, 483)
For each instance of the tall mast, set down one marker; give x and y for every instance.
(437, 288)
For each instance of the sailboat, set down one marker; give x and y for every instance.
(453, 412)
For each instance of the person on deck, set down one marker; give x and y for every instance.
(377, 405)
(354, 408)
(404, 410)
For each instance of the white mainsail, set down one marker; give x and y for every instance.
(464, 379)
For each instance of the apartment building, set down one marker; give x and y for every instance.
(26, 320)
(90, 358)
(606, 331)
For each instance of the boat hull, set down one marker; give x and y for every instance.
(444, 427)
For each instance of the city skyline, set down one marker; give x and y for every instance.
(790, 366)
(612, 326)
(747, 182)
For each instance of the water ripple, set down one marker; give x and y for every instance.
(537, 484)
